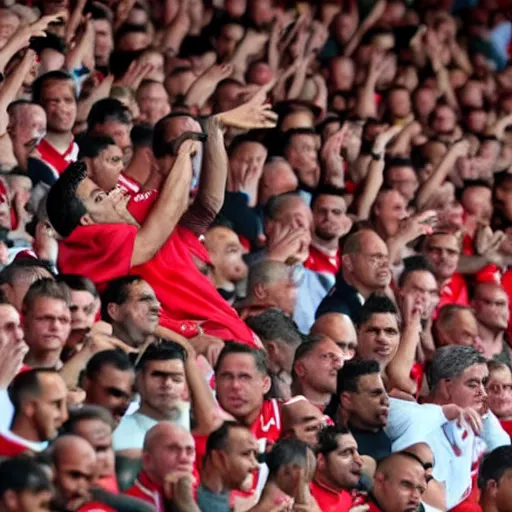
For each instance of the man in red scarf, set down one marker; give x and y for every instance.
(102, 240)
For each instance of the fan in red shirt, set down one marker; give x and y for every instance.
(241, 382)
(338, 469)
(168, 453)
(442, 252)
(330, 223)
(103, 241)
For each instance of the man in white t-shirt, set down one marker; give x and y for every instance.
(447, 424)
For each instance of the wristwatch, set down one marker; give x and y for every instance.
(376, 156)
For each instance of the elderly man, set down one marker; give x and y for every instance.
(365, 270)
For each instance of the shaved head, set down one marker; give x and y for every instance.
(338, 327)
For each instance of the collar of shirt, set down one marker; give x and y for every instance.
(35, 446)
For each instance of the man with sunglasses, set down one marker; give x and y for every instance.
(102, 240)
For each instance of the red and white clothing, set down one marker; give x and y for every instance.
(320, 261)
(54, 159)
(128, 185)
(146, 490)
(11, 445)
(330, 500)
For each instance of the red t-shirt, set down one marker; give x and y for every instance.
(319, 261)
(128, 184)
(96, 506)
(57, 161)
(455, 291)
(507, 426)
(103, 252)
(330, 500)
(506, 282)
(10, 448)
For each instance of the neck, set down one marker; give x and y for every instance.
(324, 480)
(492, 340)
(154, 181)
(155, 414)
(47, 359)
(22, 427)
(136, 341)
(329, 247)
(60, 141)
(138, 168)
(316, 397)
(211, 478)
(354, 422)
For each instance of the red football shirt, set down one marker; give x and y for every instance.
(319, 261)
(128, 184)
(102, 252)
(330, 500)
(455, 291)
(96, 506)
(55, 160)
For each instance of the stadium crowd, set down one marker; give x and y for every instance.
(256, 255)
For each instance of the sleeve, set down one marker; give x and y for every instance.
(410, 423)
(127, 436)
(493, 433)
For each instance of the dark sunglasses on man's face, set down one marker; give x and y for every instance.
(172, 147)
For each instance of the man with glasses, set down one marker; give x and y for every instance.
(364, 270)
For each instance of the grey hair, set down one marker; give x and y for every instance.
(266, 271)
(452, 361)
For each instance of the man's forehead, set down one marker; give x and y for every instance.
(86, 188)
(8, 313)
(444, 240)
(176, 126)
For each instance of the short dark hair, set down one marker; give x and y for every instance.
(84, 413)
(25, 385)
(306, 347)
(274, 325)
(117, 292)
(92, 145)
(275, 203)
(23, 473)
(161, 350)
(115, 358)
(78, 283)
(218, 439)
(328, 438)
(234, 347)
(142, 135)
(63, 206)
(52, 76)
(290, 134)
(48, 288)
(352, 371)
(326, 190)
(411, 265)
(284, 452)
(376, 304)
(494, 465)
(108, 109)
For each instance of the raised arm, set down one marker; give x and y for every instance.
(171, 205)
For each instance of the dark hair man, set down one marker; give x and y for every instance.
(494, 480)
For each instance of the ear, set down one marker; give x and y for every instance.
(86, 220)
(29, 408)
(299, 368)
(267, 382)
(113, 311)
(86, 384)
(273, 350)
(321, 462)
(444, 388)
(346, 401)
(259, 291)
(11, 500)
(491, 488)
(347, 262)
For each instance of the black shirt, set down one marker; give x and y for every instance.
(374, 444)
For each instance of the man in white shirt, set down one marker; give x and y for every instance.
(447, 425)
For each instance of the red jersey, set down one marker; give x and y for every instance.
(506, 283)
(455, 291)
(12, 445)
(55, 160)
(507, 426)
(103, 252)
(128, 184)
(319, 261)
(96, 506)
(330, 500)
(146, 490)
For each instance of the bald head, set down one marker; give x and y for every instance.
(302, 420)
(338, 327)
(71, 448)
(168, 447)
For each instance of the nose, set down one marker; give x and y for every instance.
(337, 363)
(358, 460)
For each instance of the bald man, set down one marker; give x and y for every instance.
(340, 328)
(168, 454)
(74, 462)
(399, 483)
(226, 253)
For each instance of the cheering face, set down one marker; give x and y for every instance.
(343, 465)
(379, 338)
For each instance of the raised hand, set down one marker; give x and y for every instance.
(418, 225)
(254, 114)
(134, 75)
(385, 137)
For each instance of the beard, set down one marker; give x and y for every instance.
(325, 235)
